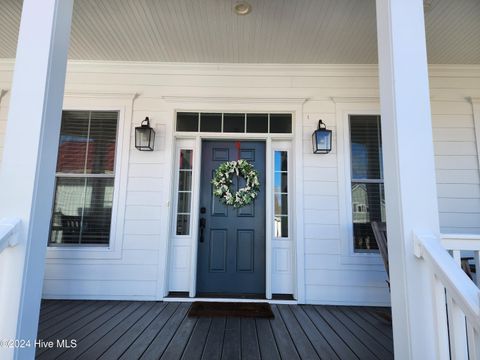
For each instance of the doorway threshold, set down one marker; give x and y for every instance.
(229, 299)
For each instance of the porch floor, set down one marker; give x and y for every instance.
(153, 330)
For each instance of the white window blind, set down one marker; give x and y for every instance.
(84, 178)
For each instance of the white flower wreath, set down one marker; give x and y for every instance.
(223, 180)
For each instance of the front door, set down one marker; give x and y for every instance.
(231, 251)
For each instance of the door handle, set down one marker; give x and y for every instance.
(203, 224)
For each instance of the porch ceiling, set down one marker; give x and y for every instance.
(276, 31)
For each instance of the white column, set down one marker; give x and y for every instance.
(28, 166)
(409, 171)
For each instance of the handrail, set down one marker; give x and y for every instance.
(453, 278)
(8, 229)
(468, 242)
(455, 299)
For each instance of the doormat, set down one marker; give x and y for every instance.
(221, 309)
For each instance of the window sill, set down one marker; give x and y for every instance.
(82, 252)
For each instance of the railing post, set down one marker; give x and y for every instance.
(28, 165)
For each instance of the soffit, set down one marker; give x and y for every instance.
(276, 31)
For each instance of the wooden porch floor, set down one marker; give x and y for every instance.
(161, 330)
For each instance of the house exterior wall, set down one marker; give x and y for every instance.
(136, 269)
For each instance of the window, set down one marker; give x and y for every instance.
(280, 194)
(234, 123)
(368, 199)
(184, 192)
(85, 178)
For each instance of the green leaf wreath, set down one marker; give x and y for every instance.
(222, 181)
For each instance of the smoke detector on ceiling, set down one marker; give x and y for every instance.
(242, 8)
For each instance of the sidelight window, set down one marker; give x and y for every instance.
(184, 199)
(280, 194)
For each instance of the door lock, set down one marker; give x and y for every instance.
(203, 224)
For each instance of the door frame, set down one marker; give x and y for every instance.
(194, 141)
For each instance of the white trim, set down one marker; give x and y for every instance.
(165, 235)
(299, 223)
(114, 250)
(227, 300)
(476, 125)
(232, 100)
(268, 217)
(343, 70)
(285, 243)
(343, 113)
(353, 100)
(264, 106)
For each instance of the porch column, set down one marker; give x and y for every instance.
(28, 166)
(409, 171)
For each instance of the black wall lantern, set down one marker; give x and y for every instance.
(322, 139)
(144, 136)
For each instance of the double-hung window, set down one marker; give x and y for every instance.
(368, 199)
(85, 177)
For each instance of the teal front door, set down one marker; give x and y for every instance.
(231, 243)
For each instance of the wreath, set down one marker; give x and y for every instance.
(222, 182)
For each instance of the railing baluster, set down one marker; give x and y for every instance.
(473, 342)
(440, 314)
(457, 330)
(457, 257)
(477, 267)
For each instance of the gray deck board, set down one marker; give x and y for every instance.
(96, 350)
(318, 341)
(285, 344)
(133, 333)
(231, 340)
(111, 330)
(250, 349)
(266, 340)
(360, 349)
(214, 345)
(163, 338)
(138, 347)
(196, 343)
(301, 341)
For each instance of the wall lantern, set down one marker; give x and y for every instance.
(322, 139)
(144, 136)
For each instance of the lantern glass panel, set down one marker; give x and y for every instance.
(144, 138)
(322, 141)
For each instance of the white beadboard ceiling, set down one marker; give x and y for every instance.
(276, 31)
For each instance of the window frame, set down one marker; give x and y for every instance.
(282, 147)
(183, 145)
(122, 104)
(379, 181)
(85, 176)
(346, 107)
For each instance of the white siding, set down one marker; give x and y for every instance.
(137, 273)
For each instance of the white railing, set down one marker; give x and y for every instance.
(456, 302)
(8, 229)
(462, 242)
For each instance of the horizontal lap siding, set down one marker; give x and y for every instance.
(328, 278)
(456, 162)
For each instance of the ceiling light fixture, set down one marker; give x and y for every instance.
(242, 8)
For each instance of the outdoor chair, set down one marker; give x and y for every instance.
(380, 232)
